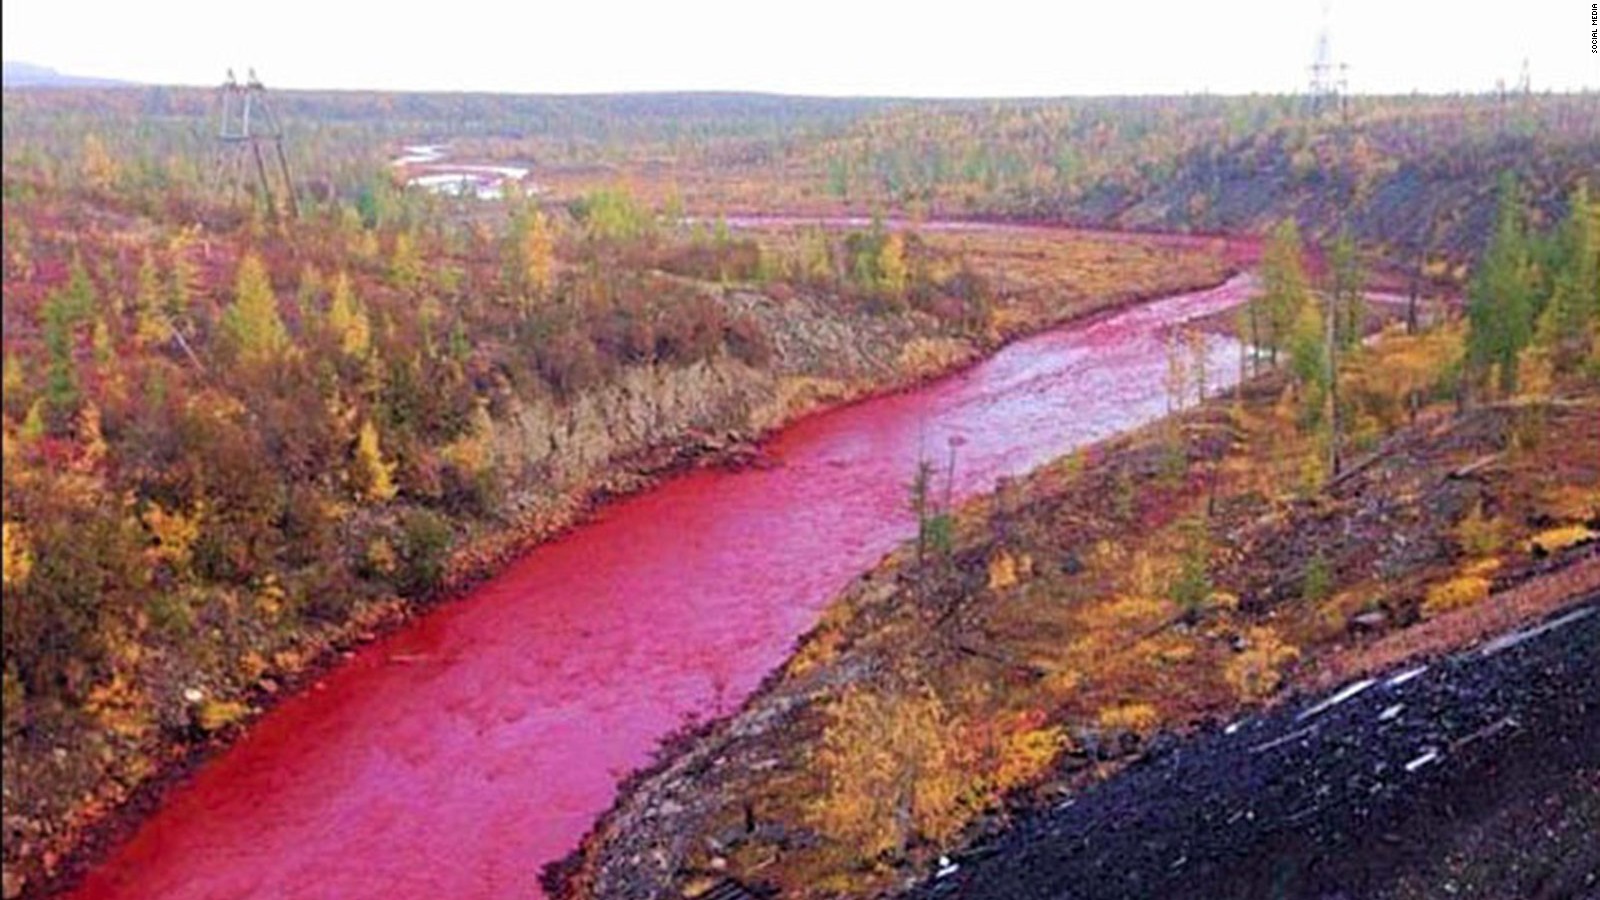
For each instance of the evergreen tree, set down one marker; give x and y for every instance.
(1566, 327)
(61, 393)
(1499, 300)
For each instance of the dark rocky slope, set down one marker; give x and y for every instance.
(1476, 776)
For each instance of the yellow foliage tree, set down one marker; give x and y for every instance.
(150, 323)
(348, 319)
(892, 264)
(174, 535)
(538, 255)
(892, 769)
(374, 477)
(252, 322)
(18, 555)
(473, 452)
(99, 169)
(91, 436)
(405, 266)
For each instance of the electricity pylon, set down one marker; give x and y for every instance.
(246, 122)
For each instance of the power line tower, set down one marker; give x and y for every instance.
(246, 121)
(1328, 78)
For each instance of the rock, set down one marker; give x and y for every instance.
(1089, 741)
(1375, 620)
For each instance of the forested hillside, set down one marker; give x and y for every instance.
(1411, 176)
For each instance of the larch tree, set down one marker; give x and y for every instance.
(99, 170)
(539, 255)
(185, 275)
(347, 318)
(894, 274)
(252, 325)
(1500, 297)
(373, 476)
(1284, 287)
(61, 388)
(150, 322)
(1567, 326)
(1344, 314)
(1348, 289)
(405, 264)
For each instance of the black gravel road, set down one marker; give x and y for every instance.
(1475, 776)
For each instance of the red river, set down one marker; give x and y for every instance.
(457, 756)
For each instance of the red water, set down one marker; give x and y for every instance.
(456, 757)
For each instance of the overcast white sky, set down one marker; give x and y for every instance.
(927, 48)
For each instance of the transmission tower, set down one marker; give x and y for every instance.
(246, 122)
(1328, 81)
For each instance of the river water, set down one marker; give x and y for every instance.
(457, 756)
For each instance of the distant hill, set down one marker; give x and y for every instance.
(25, 74)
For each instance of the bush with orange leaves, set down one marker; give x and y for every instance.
(1011, 750)
(893, 772)
(1139, 718)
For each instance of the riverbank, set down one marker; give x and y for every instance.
(825, 357)
(1113, 602)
